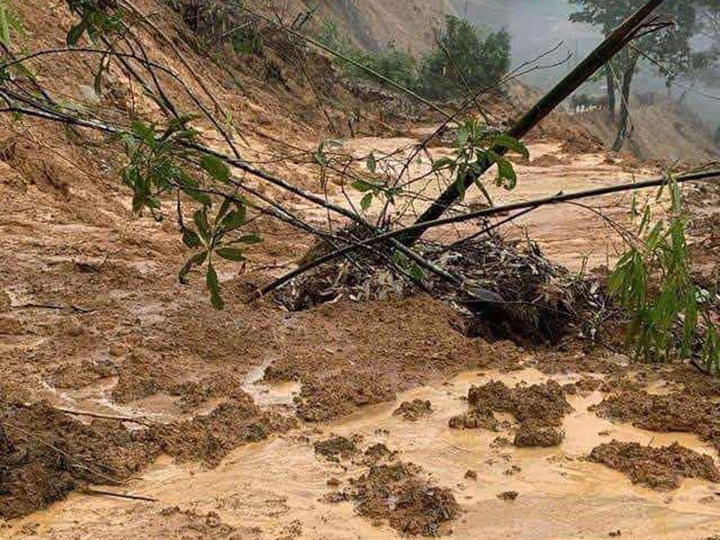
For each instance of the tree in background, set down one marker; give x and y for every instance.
(668, 51)
(462, 59)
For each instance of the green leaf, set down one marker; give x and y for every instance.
(4, 26)
(371, 162)
(248, 239)
(196, 260)
(366, 201)
(231, 254)
(200, 219)
(199, 196)
(506, 174)
(213, 286)
(191, 239)
(416, 272)
(216, 168)
(510, 143)
(76, 33)
(143, 132)
(442, 163)
(362, 186)
(234, 219)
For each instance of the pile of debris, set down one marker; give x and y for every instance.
(509, 288)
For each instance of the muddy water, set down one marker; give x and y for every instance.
(575, 236)
(275, 488)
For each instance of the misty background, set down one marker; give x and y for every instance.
(539, 25)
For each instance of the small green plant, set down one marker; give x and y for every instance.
(160, 162)
(97, 18)
(10, 23)
(665, 314)
(475, 148)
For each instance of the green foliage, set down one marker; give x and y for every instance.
(475, 149)
(671, 47)
(463, 59)
(97, 18)
(394, 64)
(9, 23)
(161, 162)
(660, 311)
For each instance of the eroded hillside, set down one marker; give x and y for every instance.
(367, 418)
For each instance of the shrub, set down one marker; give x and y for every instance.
(463, 59)
(667, 317)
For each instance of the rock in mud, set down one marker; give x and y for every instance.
(658, 468)
(475, 419)
(413, 411)
(324, 399)
(400, 495)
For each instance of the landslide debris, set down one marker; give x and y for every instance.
(45, 454)
(209, 438)
(399, 494)
(658, 468)
(412, 411)
(539, 410)
(686, 412)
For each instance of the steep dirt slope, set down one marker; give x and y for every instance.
(374, 23)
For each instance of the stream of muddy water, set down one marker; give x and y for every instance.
(277, 488)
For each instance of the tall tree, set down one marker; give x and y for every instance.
(668, 51)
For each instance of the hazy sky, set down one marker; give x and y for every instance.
(539, 25)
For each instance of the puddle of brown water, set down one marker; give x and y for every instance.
(275, 483)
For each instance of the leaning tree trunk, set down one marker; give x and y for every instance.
(624, 123)
(612, 100)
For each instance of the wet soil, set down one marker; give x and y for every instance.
(400, 495)
(686, 411)
(413, 411)
(658, 468)
(539, 410)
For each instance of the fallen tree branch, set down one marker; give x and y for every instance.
(613, 44)
(556, 199)
(92, 491)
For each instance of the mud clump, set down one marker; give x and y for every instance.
(539, 409)
(209, 438)
(45, 454)
(195, 393)
(76, 376)
(686, 412)
(336, 448)
(530, 435)
(399, 494)
(508, 495)
(325, 399)
(481, 418)
(657, 468)
(412, 411)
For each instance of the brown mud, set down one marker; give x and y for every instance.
(231, 404)
(658, 468)
(538, 409)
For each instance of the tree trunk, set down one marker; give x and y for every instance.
(624, 124)
(610, 90)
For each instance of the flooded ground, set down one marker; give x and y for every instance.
(279, 486)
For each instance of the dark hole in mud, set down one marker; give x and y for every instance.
(511, 291)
